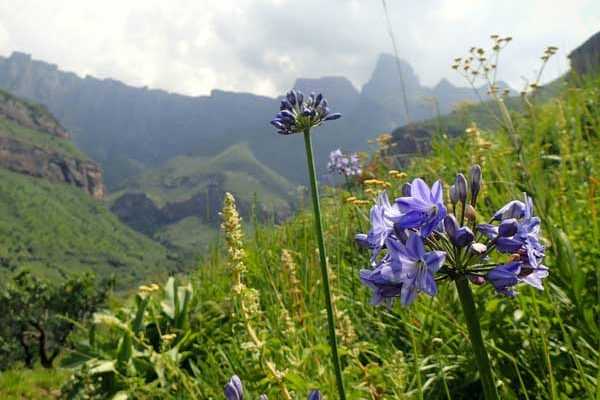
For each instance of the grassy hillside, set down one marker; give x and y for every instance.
(182, 177)
(235, 170)
(54, 227)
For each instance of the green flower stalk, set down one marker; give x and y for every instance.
(299, 115)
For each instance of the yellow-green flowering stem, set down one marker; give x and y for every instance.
(481, 356)
(323, 260)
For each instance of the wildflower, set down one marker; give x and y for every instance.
(505, 277)
(234, 236)
(344, 164)
(424, 208)
(382, 222)
(234, 389)
(168, 337)
(512, 209)
(298, 114)
(380, 280)
(459, 236)
(415, 266)
(314, 395)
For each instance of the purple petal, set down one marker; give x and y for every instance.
(408, 294)
(412, 203)
(427, 284)
(434, 260)
(412, 219)
(437, 194)
(420, 190)
(414, 246)
(508, 245)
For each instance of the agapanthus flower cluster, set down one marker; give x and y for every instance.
(344, 164)
(234, 390)
(299, 113)
(418, 241)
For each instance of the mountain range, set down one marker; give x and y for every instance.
(130, 129)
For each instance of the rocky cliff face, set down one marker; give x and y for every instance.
(31, 160)
(25, 148)
(586, 58)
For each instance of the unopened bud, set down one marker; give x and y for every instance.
(453, 195)
(478, 248)
(406, 190)
(477, 280)
(508, 227)
(475, 175)
(470, 213)
(461, 188)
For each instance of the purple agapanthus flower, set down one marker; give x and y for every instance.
(513, 209)
(505, 277)
(423, 209)
(344, 164)
(234, 389)
(460, 236)
(382, 282)
(383, 215)
(298, 113)
(413, 267)
(314, 395)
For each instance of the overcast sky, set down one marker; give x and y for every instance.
(261, 46)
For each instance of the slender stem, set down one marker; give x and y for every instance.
(323, 259)
(483, 363)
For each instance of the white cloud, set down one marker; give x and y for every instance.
(193, 46)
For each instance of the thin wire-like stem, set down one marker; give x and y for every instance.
(481, 356)
(323, 260)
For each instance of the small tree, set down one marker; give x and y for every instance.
(37, 316)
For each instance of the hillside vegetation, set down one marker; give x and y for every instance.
(236, 170)
(54, 229)
(182, 199)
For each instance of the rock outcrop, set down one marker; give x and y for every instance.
(35, 161)
(25, 148)
(585, 59)
(32, 116)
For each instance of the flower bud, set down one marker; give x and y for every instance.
(475, 175)
(477, 280)
(470, 213)
(461, 188)
(459, 236)
(478, 248)
(508, 227)
(234, 390)
(453, 195)
(406, 190)
(450, 225)
(362, 240)
(314, 395)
